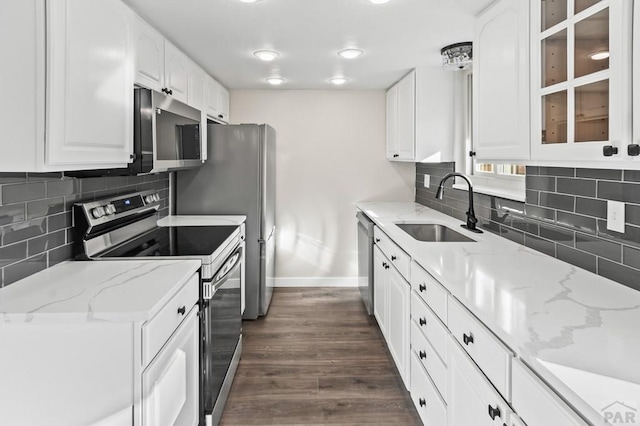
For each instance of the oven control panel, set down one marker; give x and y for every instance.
(108, 209)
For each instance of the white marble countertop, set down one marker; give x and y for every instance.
(578, 331)
(115, 290)
(203, 220)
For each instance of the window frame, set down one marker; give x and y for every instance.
(505, 186)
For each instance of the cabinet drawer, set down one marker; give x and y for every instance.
(536, 403)
(157, 331)
(486, 350)
(395, 254)
(431, 408)
(431, 362)
(427, 322)
(430, 290)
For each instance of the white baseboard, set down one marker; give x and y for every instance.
(316, 282)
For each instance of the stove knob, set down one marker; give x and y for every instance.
(148, 199)
(156, 197)
(98, 212)
(109, 209)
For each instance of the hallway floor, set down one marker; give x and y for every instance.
(317, 359)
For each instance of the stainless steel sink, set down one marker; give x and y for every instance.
(432, 232)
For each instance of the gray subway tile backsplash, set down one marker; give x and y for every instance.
(591, 207)
(23, 192)
(601, 174)
(557, 201)
(627, 192)
(631, 257)
(620, 273)
(632, 175)
(599, 247)
(36, 219)
(584, 187)
(563, 216)
(579, 258)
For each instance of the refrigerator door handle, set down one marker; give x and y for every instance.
(263, 241)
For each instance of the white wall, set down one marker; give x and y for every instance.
(330, 154)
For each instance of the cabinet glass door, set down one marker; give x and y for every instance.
(582, 48)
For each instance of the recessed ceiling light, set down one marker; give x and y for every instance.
(249, 1)
(275, 81)
(266, 55)
(350, 53)
(598, 56)
(338, 81)
(379, 1)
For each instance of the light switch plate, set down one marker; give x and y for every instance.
(427, 181)
(615, 216)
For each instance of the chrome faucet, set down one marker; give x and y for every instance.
(471, 215)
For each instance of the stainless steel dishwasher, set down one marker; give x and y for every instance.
(365, 260)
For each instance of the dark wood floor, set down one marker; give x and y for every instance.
(317, 359)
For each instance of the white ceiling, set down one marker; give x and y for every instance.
(221, 36)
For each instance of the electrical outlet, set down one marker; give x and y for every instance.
(427, 181)
(615, 216)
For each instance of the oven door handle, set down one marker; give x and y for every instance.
(211, 287)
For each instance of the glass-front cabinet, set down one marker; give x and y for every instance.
(581, 79)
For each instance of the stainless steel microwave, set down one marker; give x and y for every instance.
(167, 133)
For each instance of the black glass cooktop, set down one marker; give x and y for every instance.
(174, 241)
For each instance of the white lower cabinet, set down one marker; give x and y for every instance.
(458, 371)
(536, 403)
(380, 279)
(430, 406)
(472, 400)
(398, 322)
(391, 309)
(170, 383)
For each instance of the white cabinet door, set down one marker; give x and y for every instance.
(636, 80)
(176, 70)
(211, 97)
(398, 322)
(472, 400)
(196, 86)
(149, 47)
(581, 103)
(223, 104)
(405, 148)
(501, 82)
(170, 383)
(89, 83)
(392, 121)
(380, 279)
(22, 44)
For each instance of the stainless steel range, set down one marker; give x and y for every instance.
(126, 227)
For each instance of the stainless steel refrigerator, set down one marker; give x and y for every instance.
(239, 178)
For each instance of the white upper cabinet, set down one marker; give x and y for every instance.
(501, 82)
(217, 100)
(22, 44)
(90, 58)
(149, 55)
(223, 104)
(581, 75)
(632, 151)
(420, 117)
(176, 71)
(196, 85)
(401, 119)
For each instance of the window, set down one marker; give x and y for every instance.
(502, 180)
